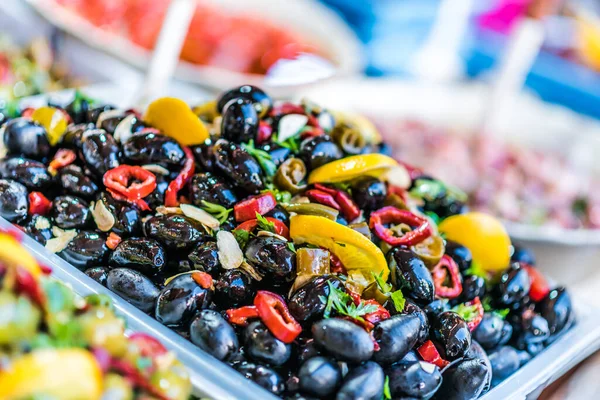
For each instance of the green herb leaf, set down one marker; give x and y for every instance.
(436, 218)
(290, 143)
(476, 269)
(282, 196)
(343, 186)
(398, 300)
(242, 237)
(384, 287)
(290, 245)
(387, 393)
(216, 210)
(430, 190)
(468, 313)
(264, 224)
(264, 159)
(344, 305)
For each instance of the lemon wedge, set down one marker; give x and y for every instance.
(174, 118)
(352, 167)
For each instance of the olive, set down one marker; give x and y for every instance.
(278, 154)
(416, 379)
(514, 285)
(94, 113)
(396, 336)
(205, 257)
(473, 286)
(492, 331)
(435, 308)
(100, 151)
(451, 332)
(13, 200)
(369, 193)
(343, 340)
(319, 376)
(179, 300)
(261, 101)
(306, 304)
(306, 349)
(233, 288)
(78, 109)
(262, 346)
(111, 120)
(99, 274)
(213, 334)
(32, 174)
(460, 254)
(239, 166)
(174, 231)
(86, 250)
(410, 273)
(73, 136)
(204, 155)
(557, 309)
(39, 228)
(152, 148)
(505, 362)
(279, 213)
(157, 197)
(272, 258)
(319, 150)
(126, 220)
(529, 328)
(134, 287)
(144, 255)
(523, 255)
(262, 376)
(70, 212)
(364, 382)
(209, 188)
(74, 181)
(524, 357)
(464, 380)
(240, 121)
(411, 308)
(22, 136)
(476, 352)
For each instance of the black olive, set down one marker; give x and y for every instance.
(529, 328)
(127, 219)
(239, 166)
(410, 273)
(435, 308)
(260, 100)
(70, 212)
(100, 151)
(306, 349)
(73, 136)
(262, 376)
(207, 187)
(505, 362)
(460, 254)
(94, 113)
(78, 109)
(233, 289)
(32, 174)
(557, 309)
(524, 357)
(411, 308)
(476, 352)
(39, 228)
(205, 257)
(73, 181)
(411, 356)
(204, 155)
(174, 231)
(13, 200)
(22, 136)
(272, 258)
(179, 300)
(451, 332)
(240, 121)
(262, 346)
(278, 153)
(151, 148)
(492, 331)
(99, 274)
(141, 254)
(111, 120)
(369, 193)
(279, 213)
(157, 197)
(213, 334)
(523, 255)
(86, 250)
(473, 286)
(134, 287)
(364, 382)
(415, 379)
(396, 336)
(319, 150)
(319, 376)
(514, 285)
(306, 304)
(466, 379)
(343, 340)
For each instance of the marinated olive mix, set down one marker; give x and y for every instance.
(276, 237)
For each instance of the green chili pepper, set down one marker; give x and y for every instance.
(290, 175)
(318, 210)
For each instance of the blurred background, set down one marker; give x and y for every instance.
(506, 92)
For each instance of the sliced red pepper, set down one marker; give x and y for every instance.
(62, 158)
(141, 204)
(476, 320)
(265, 131)
(430, 354)
(539, 286)
(398, 191)
(344, 202)
(366, 325)
(280, 228)
(148, 345)
(326, 189)
(376, 316)
(132, 182)
(274, 313)
(447, 270)
(39, 204)
(322, 197)
(392, 215)
(203, 279)
(113, 241)
(182, 179)
(246, 210)
(336, 265)
(239, 316)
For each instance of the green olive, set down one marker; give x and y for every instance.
(290, 175)
(117, 387)
(349, 138)
(19, 318)
(100, 327)
(173, 382)
(318, 210)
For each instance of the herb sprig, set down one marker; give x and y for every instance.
(216, 210)
(264, 159)
(341, 302)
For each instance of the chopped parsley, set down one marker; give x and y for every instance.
(242, 237)
(216, 210)
(398, 300)
(341, 302)
(290, 245)
(387, 393)
(264, 224)
(487, 307)
(397, 296)
(264, 159)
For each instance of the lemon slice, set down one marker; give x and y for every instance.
(68, 374)
(54, 120)
(484, 235)
(174, 118)
(354, 250)
(12, 254)
(352, 167)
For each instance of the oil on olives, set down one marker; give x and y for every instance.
(144, 255)
(22, 136)
(319, 150)
(73, 181)
(514, 285)
(99, 274)
(233, 288)
(412, 308)
(263, 347)
(416, 379)
(153, 148)
(369, 193)
(363, 382)
(343, 340)
(492, 331)
(179, 300)
(213, 334)
(32, 174)
(261, 101)
(451, 332)
(13, 200)
(262, 376)
(239, 166)
(557, 309)
(70, 212)
(174, 231)
(86, 250)
(206, 187)
(396, 336)
(410, 273)
(306, 304)
(466, 379)
(134, 287)
(100, 151)
(272, 258)
(460, 254)
(240, 121)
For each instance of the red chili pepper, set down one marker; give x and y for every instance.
(29, 286)
(62, 158)
(123, 180)
(27, 112)
(113, 241)
(274, 313)
(429, 353)
(135, 376)
(265, 131)
(366, 325)
(387, 215)
(39, 204)
(322, 197)
(398, 191)
(286, 108)
(239, 316)
(203, 279)
(476, 320)
(445, 269)
(280, 228)
(344, 202)
(182, 179)
(148, 345)
(141, 204)
(336, 265)
(539, 286)
(246, 210)
(46, 270)
(326, 189)
(376, 316)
